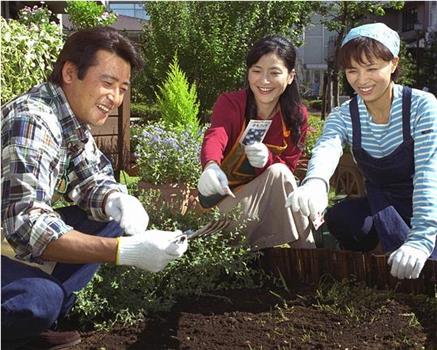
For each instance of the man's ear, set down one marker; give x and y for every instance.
(69, 72)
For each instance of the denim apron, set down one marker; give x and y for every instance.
(237, 168)
(389, 185)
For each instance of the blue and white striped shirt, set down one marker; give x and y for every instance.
(380, 140)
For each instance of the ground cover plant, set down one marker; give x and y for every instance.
(126, 295)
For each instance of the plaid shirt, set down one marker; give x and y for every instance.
(46, 151)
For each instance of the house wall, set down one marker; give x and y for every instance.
(314, 56)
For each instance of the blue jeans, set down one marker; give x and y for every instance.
(32, 301)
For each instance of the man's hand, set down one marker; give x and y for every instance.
(311, 199)
(407, 262)
(213, 180)
(152, 250)
(257, 154)
(128, 212)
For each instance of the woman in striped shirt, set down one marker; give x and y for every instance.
(392, 132)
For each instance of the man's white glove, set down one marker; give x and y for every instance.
(311, 199)
(128, 212)
(152, 250)
(213, 180)
(257, 154)
(407, 262)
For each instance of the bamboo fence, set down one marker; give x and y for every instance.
(310, 265)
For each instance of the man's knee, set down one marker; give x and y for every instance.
(29, 306)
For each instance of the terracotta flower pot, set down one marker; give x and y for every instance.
(178, 196)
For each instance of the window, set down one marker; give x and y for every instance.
(409, 19)
(131, 9)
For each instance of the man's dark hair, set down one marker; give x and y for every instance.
(82, 46)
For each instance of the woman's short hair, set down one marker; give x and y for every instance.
(364, 47)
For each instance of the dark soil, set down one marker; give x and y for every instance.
(261, 319)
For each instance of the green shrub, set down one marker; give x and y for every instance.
(144, 112)
(88, 14)
(177, 100)
(166, 155)
(125, 294)
(315, 128)
(29, 47)
(315, 105)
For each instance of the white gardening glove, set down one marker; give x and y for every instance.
(128, 212)
(311, 199)
(213, 180)
(407, 262)
(152, 250)
(257, 154)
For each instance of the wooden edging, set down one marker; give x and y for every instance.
(309, 265)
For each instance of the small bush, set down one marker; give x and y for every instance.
(177, 101)
(29, 47)
(315, 128)
(315, 105)
(88, 14)
(305, 102)
(145, 112)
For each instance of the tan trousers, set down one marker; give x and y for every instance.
(263, 203)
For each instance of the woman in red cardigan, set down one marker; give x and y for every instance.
(250, 169)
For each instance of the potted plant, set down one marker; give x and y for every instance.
(167, 151)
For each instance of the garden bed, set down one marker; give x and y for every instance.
(341, 316)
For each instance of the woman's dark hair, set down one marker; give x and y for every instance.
(361, 47)
(82, 46)
(289, 101)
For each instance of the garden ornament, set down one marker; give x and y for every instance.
(407, 262)
(213, 180)
(257, 154)
(379, 32)
(152, 250)
(128, 212)
(311, 199)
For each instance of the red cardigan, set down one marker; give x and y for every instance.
(227, 121)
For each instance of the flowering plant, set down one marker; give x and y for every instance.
(37, 15)
(315, 128)
(29, 47)
(168, 155)
(89, 14)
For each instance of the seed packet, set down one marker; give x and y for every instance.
(255, 131)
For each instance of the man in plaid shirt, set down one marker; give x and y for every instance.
(47, 151)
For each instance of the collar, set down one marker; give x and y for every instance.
(73, 130)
